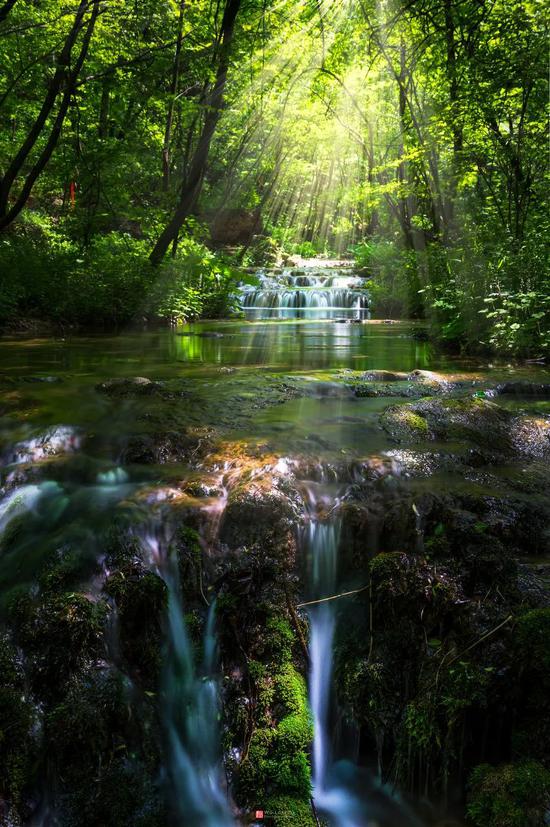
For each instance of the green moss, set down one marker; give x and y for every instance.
(279, 639)
(64, 571)
(286, 811)
(86, 722)
(414, 421)
(277, 760)
(512, 795)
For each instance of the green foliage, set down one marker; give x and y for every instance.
(111, 282)
(512, 795)
(392, 281)
(196, 283)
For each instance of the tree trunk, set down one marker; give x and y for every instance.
(197, 167)
(172, 102)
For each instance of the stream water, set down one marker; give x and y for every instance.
(75, 458)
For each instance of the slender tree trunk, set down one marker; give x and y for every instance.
(197, 167)
(62, 78)
(171, 103)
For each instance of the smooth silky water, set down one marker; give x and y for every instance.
(215, 374)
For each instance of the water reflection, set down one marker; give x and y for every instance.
(321, 345)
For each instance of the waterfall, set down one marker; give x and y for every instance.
(314, 292)
(342, 794)
(190, 706)
(322, 546)
(331, 798)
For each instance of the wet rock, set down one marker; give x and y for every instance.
(429, 379)
(473, 419)
(18, 734)
(263, 510)
(61, 634)
(61, 439)
(141, 599)
(534, 584)
(134, 386)
(384, 376)
(531, 436)
(404, 423)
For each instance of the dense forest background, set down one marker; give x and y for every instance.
(149, 151)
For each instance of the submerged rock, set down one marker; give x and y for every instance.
(135, 386)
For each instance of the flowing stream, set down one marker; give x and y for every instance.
(83, 441)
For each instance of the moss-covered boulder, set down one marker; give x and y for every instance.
(472, 419)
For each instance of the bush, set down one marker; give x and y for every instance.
(392, 278)
(46, 275)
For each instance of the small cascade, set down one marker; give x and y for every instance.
(312, 292)
(190, 706)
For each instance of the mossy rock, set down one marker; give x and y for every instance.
(277, 760)
(287, 811)
(469, 418)
(403, 423)
(511, 795)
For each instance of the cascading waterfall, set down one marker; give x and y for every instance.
(190, 706)
(314, 292)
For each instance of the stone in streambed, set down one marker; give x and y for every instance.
(129, 386)
(473, 419)
(523, 388)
